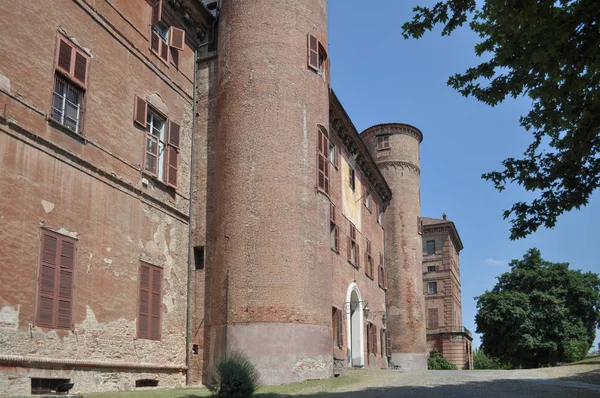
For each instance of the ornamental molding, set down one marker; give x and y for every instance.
(393, 128)
(399, 164)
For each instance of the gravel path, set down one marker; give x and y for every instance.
(581, 381)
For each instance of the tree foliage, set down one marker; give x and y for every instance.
(539, 313)
(548, 50)
(483, 361)
(437, 362)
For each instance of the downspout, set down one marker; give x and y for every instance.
(188, 314)
(385, 293)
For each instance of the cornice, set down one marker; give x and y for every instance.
(393, 128)
(399, 163)
(446, 226)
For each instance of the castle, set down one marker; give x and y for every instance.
(180, 180)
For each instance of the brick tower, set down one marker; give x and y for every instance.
(395, 148)
(268, 286)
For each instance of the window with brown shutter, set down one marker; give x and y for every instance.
(419, 226)
(334, 230)
(382, 342)
(353, 248)
(165, 41)
(369, 337)
(156, 12)
(176, 38)
(374, 337)
(337, 321)
(368, 261)
(56, 281)
(70, 83)
(317, 57)
(381, 275)
(322, 162)
(432, 318)
(173, 154)
(150, 302)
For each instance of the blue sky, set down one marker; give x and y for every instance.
(380, 77)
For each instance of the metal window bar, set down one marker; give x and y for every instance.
(66, 104)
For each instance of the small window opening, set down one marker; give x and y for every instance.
(199, 257)
(432, 287)
(431, 268)
(352, 179)
(195, 349)
(146, 383)
(47, 386)
(430, 247)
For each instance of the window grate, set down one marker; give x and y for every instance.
(67, 103)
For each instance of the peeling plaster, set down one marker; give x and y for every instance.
(9, 316)
(89, 264)
(108, 260)
(48, 206)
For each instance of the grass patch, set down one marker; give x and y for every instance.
(306, 387)
(587, 360)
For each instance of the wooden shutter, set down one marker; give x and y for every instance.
(150, 302)
(157, 12)
(151, 154)
(47, 279)
(419, 226)
(432, 318)
(349, 251)
(357, 256)
(388, 343)
(332, 212)
(340, 330)
(173, 153)
(176, 38)
(56, 282)
(336, 157)
(155, 43)
(382, 341)
(66, 284)
(337, 238)
(313, 52)
(64, 56)
(322, 160)
(164, 51)
(369, 340)
(140, 111)
(80, 68)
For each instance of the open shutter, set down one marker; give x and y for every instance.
(176, 38)
(151, 154)
(419, 226)
(156, 306)
(144, 301)
(64, 56)
(140, 111)
(80, 69)
(337, 238)
(357, 256)
(340, 331)
(388, 343)
(313, 52)
(47, 278)
(173, 154)
(374, 336)
(349, 249)
(157, 12)
(164, 51)
(369, 340)
(155, 43)
(65, 285)
(336, 157)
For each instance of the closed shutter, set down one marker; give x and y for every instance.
(155, 43)
(72, 62)
(432, 318)
(357, 256)
(157, 12)
(47, 278)
(374, 337)
(388, 343)
(313, 52)
(176, 38)
(368, 334)
(150, 302)
(337, 238)
(56, 282)
(140, 111)
(164, 52)
(340, 330)
(65, 285)
(349, 251)
(382, 341)
(173, 153)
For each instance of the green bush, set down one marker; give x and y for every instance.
(483, 361)
(575, 350)
(437, 362)
(236, 376)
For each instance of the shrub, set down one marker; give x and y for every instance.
(437, 362)
(236, 376)
(483, 361)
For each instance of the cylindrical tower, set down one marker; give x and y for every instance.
(268, 289)
(395, 148)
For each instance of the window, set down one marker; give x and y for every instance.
(383, 142)
(323, 163)
(380, 217)
(353, 248)
(70, 83)
(334, 157)
(382, 276)
(41, 386)
(371, 338)
(56, 281)
(369, 261)
(430, 247)
(388, 343)
(432, 318)
(432, 287)
(352, 179)
(431, 268)
(161, 146)
(150, 302)
(368, 200)
(165, 39)
(338, 331)
(199, 257)
(334, 230)
(317, 57)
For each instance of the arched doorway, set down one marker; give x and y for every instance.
(355, 327)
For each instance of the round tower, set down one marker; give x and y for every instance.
(395, 148)
(268, 289)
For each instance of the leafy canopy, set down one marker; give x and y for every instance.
(540, 313)
(548, 50)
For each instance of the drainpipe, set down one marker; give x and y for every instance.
(191, 224)
(385, 293)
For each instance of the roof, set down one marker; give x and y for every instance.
(430, 222)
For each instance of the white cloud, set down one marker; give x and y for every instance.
(494, 262)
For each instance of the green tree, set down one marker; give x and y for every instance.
(539, 313)
(483, 361)
(548, 50)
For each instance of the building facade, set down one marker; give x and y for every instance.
(181, 182)
(441, 287)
